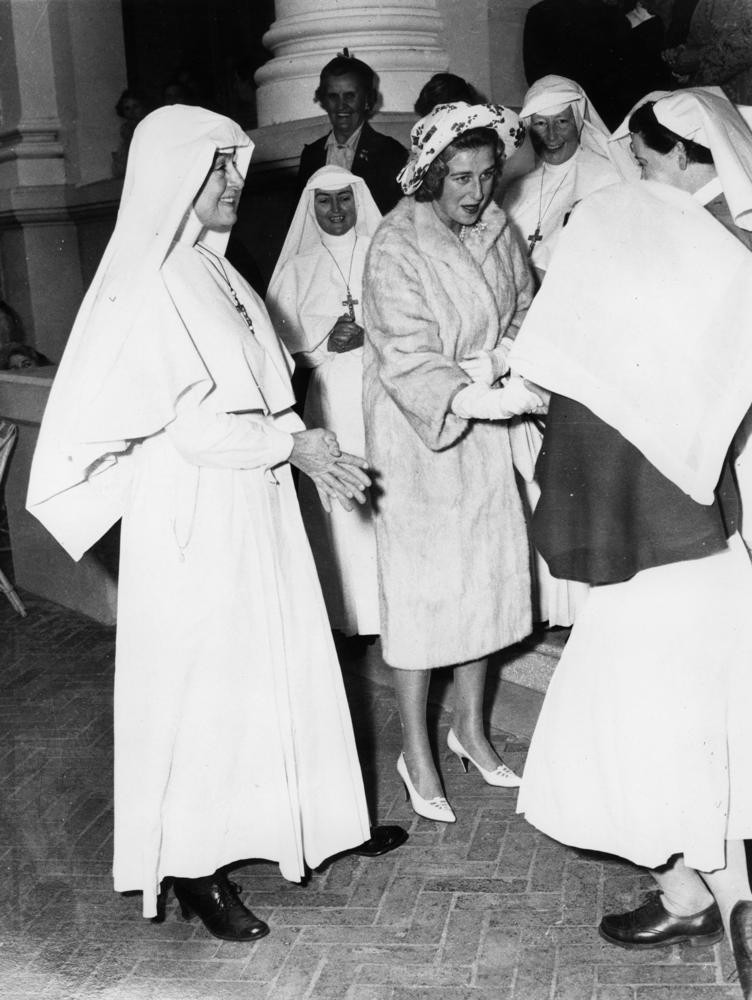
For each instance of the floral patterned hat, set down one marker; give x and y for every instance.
(447, 122)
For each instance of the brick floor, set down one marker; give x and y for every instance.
(487, 909)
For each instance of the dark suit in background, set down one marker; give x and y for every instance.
(378, 159)
(587, 42)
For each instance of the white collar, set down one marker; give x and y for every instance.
(638, 14)
(350, 143)
(709, 191)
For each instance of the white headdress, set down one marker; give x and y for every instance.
(304, 233)
(553, 93)
(706, 116)
(129, 356)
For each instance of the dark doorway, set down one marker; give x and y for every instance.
(197, 51)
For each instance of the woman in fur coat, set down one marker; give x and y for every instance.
(446, 288)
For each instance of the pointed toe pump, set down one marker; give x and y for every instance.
(501, 777)
(437, 809)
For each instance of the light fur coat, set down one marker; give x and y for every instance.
(452, 548)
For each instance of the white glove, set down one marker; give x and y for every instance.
(482, 403)
(488, 366)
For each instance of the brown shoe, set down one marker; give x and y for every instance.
(216, 902)
(652, 926)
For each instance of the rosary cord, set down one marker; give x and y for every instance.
(543, 212)
(342, 273)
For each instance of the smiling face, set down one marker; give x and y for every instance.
(335, 211)
(555, 138)
(468, 187)
(216, 204)
(345, 100)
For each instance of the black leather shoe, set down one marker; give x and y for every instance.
(741, 943)
(652, 926)
(382, 840)
(215, 901)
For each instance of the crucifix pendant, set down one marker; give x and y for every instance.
(534, 238)
(242, 310)
(350, 302)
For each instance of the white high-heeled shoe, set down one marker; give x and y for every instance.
(501, 777)
(437, 808)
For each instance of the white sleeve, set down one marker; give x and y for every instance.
(227, 440)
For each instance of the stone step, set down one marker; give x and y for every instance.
(517, 678)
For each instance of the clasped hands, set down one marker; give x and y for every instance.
(479, 401)
(337, 474)
(345, 335)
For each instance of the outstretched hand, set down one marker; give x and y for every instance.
(337, 474)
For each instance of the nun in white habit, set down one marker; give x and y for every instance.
(571, 147)
(172, 409)
(314, 301)
(650, 378)
(570, 142)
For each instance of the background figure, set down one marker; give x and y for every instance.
(677, 19)
(638, 497)
(646, 68)
(584, 40)
(315, 303)
(347, 93)
(183, 87)
(11, 328)
(16, 355)
(718, 49)
(232, 733)
(132, 108)
(445, 88)
(445, 280)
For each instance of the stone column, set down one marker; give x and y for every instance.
(61, 72)
(405, 41)
(401, 40)
(62, 68)
(30, 148)
(506, 22)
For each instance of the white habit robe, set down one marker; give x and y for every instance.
(233, 738)
(549, 193)
(306, 296)
(544, 198)
(657, 664)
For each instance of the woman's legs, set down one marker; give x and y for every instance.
(467, 719)
(684, 911)
(730, 884)
(411, 688)
(684, 891)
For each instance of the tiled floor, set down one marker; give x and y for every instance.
(487, 909)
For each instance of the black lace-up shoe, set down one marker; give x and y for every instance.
(382, 840)
(216, 902)
(652, 926)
